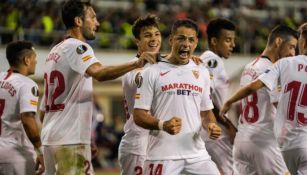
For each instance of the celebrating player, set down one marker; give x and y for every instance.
(133, 146)
(177, 93)
(290, 123)
(18, 105)
(69, 69)
(221, 41)
(262, 155)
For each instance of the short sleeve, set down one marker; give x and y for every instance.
(28, 96)
(145, 91)
(82, 56)
(206, 101)
(270, 76)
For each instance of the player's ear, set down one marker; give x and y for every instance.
(137, 42)
(278, 41)
(78, 21)
(213, 41)
(26, 60)
(170, 40)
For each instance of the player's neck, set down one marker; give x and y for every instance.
(75, 33)
(270, 54)
(19, 70)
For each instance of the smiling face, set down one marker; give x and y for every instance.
(183, 42)
(149, 40)
(90, 24)
(223, 44)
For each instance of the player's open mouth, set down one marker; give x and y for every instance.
(184, 53)
(153, 45)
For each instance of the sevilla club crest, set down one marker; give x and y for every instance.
(195, 73)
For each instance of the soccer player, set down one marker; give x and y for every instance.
(262, 155)
(133, 146)
(176, 91)
(221, 41)
(18, 105)
(290, 122)
(69, 69)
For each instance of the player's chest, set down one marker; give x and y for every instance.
(181, 82)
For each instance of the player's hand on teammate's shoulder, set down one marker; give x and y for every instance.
(172, 126)
(150, 57)
(214, 130)
(196, 60)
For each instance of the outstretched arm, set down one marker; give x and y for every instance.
(104, 73)
(32, 131)
(241, 93)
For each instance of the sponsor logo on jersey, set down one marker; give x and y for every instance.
(86, 58)
(137, 96)
(81, 49)
(181, 86)
(211, 76)
(33, 102)
(34, 91)
(212, 63)
(164, 73)
(267, 71)
(195, 73)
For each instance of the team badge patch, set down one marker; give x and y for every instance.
(33, 102)
(81, 49)
(86, 58)
(138, 80)
(137, 96)
(34, 91)
(212, 63)
(195, 73)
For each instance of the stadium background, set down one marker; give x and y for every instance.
(40, 22)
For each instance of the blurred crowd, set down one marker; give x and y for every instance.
(40, 20)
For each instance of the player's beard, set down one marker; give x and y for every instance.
(88, 34)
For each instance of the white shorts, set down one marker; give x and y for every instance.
(68, 159)
(296, 160)
(257, 158)
(192, 166)
(222, 147)
(131, 164)
(17, 161)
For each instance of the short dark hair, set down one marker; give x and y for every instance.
(283, 32)
(16, 50)
(72, 9)
(185, 23)
(215, 26)
(146, 21)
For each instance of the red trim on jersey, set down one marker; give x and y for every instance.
(256, 60)
(9, 73)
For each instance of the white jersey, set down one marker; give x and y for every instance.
(68, 94)
(290, 124)
(175, 90)
(219, 85)
(258, 111)
(18, 94)
(219, 77)
(135, 139)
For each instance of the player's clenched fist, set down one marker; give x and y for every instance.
(172, 126)
(214, 131)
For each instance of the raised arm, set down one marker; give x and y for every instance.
(104, 73)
